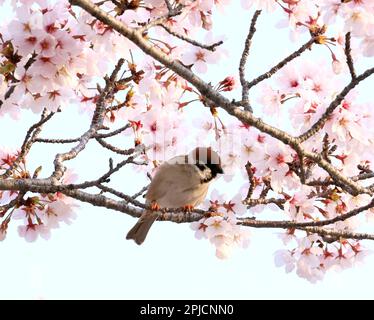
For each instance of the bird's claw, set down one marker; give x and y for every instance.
(188, 208)
(155, 206)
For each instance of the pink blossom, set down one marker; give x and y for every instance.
(287, 237)
(31, 232)
(235, 205)
(199, 58)
(27, 82)
(223, 251)
(216, 226)
(357, 20)
(270, 100)
(337, 66)
(301, 206)
(241, 236)
(61, 210)
(331, 9)
(284, 258)
(368, 45)
(47, 46)
(345, 126)
(199, 228)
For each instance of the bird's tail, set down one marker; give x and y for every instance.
(139, 232)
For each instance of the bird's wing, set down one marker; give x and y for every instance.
(171, 178)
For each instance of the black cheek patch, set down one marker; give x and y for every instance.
(201, 166)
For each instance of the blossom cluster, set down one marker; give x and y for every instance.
(221, 227)
(311, 256)
(355, 16)
(38, 213)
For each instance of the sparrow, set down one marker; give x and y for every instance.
(182, 181)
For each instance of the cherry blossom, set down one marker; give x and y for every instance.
(285, 258)
(301, 206)
(199, 58)
(31, 232)
(223, 233)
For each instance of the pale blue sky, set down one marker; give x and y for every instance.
(92, 259)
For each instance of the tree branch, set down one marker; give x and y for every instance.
(211, 47)
(244, 57)
(334, 104)
(348, 55)
(31, 136)
(281, 64)
(96, 136)
(96, 124)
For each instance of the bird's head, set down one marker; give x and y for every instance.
(207, 158)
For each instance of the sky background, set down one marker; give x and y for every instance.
(91, 259)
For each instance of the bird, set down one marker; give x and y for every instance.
(180, 182)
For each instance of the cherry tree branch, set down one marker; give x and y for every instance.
(42, 186)
(340, 234)
(334, 104)
(281, 64)
(4, 208)
(210, 47)
(243, 60)
(10, 91)
(57, 141)
(96, 136)
(96, 124)
(113, 133)
(168, 5)
(179, 216)
(328, 182)
(172, 12)
(140, 192)
(114, 149)
(319, 223)
(251, 179)
(265, 201)
(31, 137)
(348, 55)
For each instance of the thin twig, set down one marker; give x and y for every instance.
(348, 54)
(168, 5)
(113, 148)
(57, 141)
(4, 208)
(211, 47)
(97, 136)
(139, 193)
(244, 57)
(28, 141)
(281, 64)
(251, 179)
(333, 105)
(265, 201)
(96, 123)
